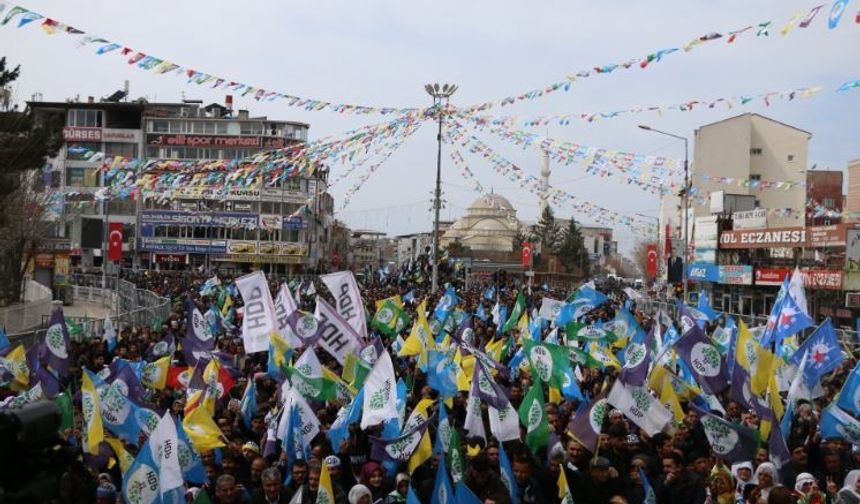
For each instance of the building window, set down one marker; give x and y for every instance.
(755, 177)
(250, 128)
(755, 151)
(160, 126)
(82, 151)
(828, 202)
(85, 118)
(126, 150)
(220, 128)
(790, 158)
(82, 177)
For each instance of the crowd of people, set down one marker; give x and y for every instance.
(679, 464)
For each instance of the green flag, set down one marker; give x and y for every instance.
(202, 498)
(516, 313)
(586, 332)
(455, 457)
(64, 404)
(387, 318)
(549, 362)
(533, 417)
(584, 358)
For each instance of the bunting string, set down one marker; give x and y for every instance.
(161, 66)
(759, 30)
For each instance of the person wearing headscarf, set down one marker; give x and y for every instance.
(807, 491)
(721, 488)
(360, 494)
(765, 478)
(373, 477)
(742, 472)
(105, 493)
(850, 492)
(401, 489)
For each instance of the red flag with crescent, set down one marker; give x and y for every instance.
(652, 260)
(527, 254)
(115, 241)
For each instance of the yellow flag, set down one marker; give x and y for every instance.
(604, 356)
(420, 339)
(669, 398)
(125, 459)
(202, 430)
(554, 395)
(422, 453)
(764, 372)
(92, 414)
(154, 374)
(325, 493)
(564, 494)
(210, 377)
(394, 299)
(225, 308)
(423, 405)
(494, 349)
(20, 371)
(745, 348)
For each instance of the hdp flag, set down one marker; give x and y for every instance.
(409, 296)
(347, 415)
(154, 374)
(93, 432)
(564, 494)
(442, 491)
(730, 442)
(325, 492)
(446, 305)
(704, 306)
(379, 396)
(490, 293)
(481, 313)
(586, 424)
(704, 359)
(517, 311)
(637, 358)
(825, 353)
(465, 495)
(442, 374)
(548, 361)
(507, 475)
(386, 318)
(54, 351)
(202, 430)
(835, 423)
(650, 495)
(533, 417)
(192, 466)
(637, 404)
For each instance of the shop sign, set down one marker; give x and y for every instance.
(204, 140)
(763, 238)
(822, 279)
(771, 276)
(751, 219)
(232, 220)
(703, 272)
(73, 134)
(263, 258)
(44, 260)
(826, 236)
(736, 275)
(61, 269)
(171, 258)
(242, 247)
(120, 135)
(852, 250)
(183, 245)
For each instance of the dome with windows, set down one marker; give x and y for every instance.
(490, 224)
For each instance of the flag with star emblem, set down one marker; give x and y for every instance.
(825, 354)
(791, 320)
(770, 327)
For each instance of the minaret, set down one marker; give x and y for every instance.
(544, 182)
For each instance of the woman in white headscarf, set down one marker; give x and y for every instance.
(742, 472)
(850, 492)
(766, 479)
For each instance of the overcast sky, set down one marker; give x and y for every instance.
(381, 53)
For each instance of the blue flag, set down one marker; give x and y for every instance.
(411, 498)
(849, 396)
(446, 305)
(790, 320)
(441, 374)
(442, 491)
(409, 296)
(481, 313)
(508, 476)
(466, 495)
(824, 352)
(490, 293)
(650, 496)
(704, 306)
(835, 423)
(350, 414)
(769, 329)
(4, 341)
(192, 466)
(249, 402)
(120, 415)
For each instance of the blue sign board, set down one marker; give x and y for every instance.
(183, 246)
(703, 272)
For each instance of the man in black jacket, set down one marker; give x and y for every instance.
(680, 485)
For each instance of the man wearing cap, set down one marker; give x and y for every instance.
(333, 463)
(599, 484)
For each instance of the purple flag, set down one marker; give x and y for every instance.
(198, 339)
(637, 359)
(55, 349)
(585, 425)
(488, 390)
(121, 371)
(305, 326)
(704, 359)
(402, 447)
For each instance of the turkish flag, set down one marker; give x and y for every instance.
(527, 254)
(651, 268)
(115, 241)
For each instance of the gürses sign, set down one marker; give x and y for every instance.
(763, 238)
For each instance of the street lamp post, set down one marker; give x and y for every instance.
(686, 202)
(438, 93)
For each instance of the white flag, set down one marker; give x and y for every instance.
(110, 333)
(310, 423)
(380, 393)
(497, 315)
(337, 337)
(348, 299)
(259, 315)
(640, 407)
(549, 309)
(285, 305)
(474, 424)
(504, 424)
(795, 288)
(164, 445)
